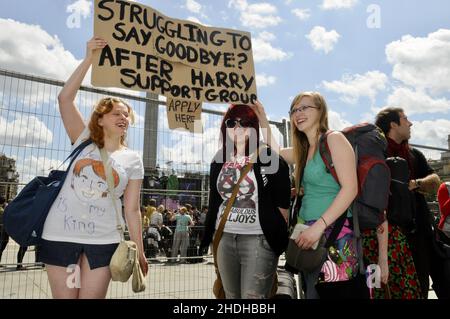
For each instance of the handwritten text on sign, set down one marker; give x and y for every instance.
(184, 114)
(176, 58)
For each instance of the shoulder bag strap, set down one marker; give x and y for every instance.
(110, 181)
(75, 152)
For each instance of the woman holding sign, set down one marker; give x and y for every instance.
(248, 201)
(80, 233)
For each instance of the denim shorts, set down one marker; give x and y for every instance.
(63, 254)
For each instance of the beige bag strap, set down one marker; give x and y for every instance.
(223, 220)
(110, 181)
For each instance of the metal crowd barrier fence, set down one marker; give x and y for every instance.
(191, 277)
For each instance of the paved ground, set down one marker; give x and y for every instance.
(166, 281)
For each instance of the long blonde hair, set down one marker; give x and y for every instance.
(299, 139)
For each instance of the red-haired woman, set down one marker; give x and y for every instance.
(80, 232)
(255, 232)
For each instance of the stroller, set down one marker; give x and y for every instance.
(152, 238)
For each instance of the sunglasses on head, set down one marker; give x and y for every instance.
(231, 123)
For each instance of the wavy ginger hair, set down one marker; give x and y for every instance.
(104, 106)
(299, 139)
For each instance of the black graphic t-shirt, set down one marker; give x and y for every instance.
(243, 217)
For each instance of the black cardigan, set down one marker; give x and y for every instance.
(276, 193)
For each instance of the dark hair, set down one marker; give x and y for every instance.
(387, 115)
(243, 112)
(152, 202)
(2, 200)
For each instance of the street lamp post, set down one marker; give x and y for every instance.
(9, 177)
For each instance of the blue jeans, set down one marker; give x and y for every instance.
(247, 266)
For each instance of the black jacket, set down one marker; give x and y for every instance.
(275, 193)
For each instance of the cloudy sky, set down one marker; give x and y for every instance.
(361, 55)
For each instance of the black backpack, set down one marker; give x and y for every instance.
(401, 209)
(369, 143)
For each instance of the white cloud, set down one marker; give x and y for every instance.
(302, 14)
(258, 15)
(240, 5)
(322, 40)
(264, 51)
(336, 121)
(24, 130)
(265, 80)
(193, 6)
(29, 49)
(196, 20)
(431, 133)
(423, 63)
(35, 166)
(338, 4)
(352, 87)
(184, 147)
(417, 102)
(81, 6)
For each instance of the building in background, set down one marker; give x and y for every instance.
(9, 177)
(442, 166)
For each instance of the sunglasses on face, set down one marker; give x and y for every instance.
(231, 123)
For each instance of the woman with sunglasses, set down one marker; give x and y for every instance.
(324, 201)
(255, 232)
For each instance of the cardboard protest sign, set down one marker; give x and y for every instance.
(184, 114)
(148, 51)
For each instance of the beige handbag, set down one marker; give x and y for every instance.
(125, 260)
(138, 281)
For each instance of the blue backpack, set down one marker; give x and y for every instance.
(25, 216)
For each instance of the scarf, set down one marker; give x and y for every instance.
(401, 150)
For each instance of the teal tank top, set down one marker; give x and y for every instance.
(320, 189)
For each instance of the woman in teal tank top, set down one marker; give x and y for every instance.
(320, 189)
(324, 200)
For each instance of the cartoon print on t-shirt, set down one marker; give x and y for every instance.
(243, 210)
(227, 179)
(89, 180)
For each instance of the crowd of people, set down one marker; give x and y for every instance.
(249, 215)
(168, 232)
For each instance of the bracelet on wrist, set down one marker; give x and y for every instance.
(323, 219)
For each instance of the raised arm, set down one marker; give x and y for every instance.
(71, 116)
(286, 153)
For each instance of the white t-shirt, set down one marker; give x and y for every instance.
(243, 217)
(83, 212)
(156, 219)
